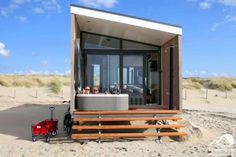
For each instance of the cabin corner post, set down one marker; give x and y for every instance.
(180, 71)
(72, 90)
(171, 74)
(164, 76)
(75, 33)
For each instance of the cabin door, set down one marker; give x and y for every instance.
(152, 77)
(141, 79)
(133, 78)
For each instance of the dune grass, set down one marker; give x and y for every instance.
(189, 84)
(219, 83)
(55, 86)
(55, 82)
(28, 81)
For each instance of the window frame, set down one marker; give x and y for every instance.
(121, 52)
(121, 43)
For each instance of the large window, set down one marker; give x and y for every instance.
(131, 66)
(102, 71)
(93, 41)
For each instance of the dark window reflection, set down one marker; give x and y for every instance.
(129, 45)
(91, 41)
(133, 78)
(153, 79)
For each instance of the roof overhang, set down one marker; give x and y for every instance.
(122, 26)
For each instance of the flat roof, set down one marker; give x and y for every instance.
(124, 26)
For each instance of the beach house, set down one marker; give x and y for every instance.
(139, 58)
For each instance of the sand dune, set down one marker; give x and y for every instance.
(17, 114)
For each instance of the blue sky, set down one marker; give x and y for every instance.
(35, 34)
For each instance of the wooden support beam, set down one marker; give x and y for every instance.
(117, 135)
(124, 119)
(83, 127)
(138, 111)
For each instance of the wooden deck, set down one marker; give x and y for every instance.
(138, 111)
(161, 119)
(82, 127)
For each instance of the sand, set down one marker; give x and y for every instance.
(216, 101)
(17, 115)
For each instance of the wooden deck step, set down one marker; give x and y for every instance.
(95, 127)
(124, 119)
(125, 115)
(138, 111)
(117, 135)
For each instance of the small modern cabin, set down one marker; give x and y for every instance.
(141, 57)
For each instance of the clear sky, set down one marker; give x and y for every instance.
(35, 34)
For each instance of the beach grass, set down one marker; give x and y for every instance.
(34, 80)
(217, 83)
(54, 82)
(55, 86)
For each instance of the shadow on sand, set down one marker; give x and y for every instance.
(17, 121)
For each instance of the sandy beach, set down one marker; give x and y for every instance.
(204, 123)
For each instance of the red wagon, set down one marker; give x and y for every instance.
(46, 128)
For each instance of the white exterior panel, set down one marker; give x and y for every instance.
(126, 20)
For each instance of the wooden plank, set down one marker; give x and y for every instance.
(138, 111)
(83, 127)
(124, 119)
(116, 135)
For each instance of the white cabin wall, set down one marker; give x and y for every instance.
(75, 34)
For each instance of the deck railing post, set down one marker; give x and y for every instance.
(99, 131)
(36, 93)
(206, 92)
(185, 93)
(14, 94)
(226, 94)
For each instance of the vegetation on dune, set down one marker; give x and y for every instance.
(55, 82)
(220, 83)
(34, 81)
(234, 84)
(55, 86)
(189, 84)
(4, 82)
(40, 82)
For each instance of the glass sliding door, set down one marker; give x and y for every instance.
(133, 80)
(136, 75)
(153, 79)
(102, 71)
(108, 62)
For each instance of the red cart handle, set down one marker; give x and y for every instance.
(51, 109)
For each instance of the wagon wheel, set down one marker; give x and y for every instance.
(54, 133)
(68, 130)
(47, 138)
(67, 123)
(34, 138)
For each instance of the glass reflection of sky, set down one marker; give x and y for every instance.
(96, 74)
